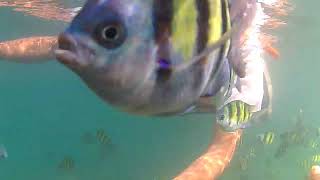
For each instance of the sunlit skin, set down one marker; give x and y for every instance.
(26, 50)
(49, 10)
(209, 165)
(213, 162)
(314, 173)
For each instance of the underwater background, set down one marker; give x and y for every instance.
(49, 118)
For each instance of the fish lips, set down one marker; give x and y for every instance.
(73, 52)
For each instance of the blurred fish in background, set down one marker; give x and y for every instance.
(266, 138)
(67, 164)
(3, 152)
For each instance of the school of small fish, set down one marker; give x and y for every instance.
(297, 137)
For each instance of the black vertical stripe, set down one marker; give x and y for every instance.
(162, 19)
(162, 25)
(203, 24)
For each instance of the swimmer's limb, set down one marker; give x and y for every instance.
(49, 10)
(28, 50)
(211, 164)
(315, 173)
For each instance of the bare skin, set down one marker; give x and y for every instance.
(315, 173)
(39, 48)
(48, 10)
(29, 50)
(213, 162)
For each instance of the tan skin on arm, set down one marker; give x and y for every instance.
(39, 48)
(212, 163)
(315, 173)
(29, 50)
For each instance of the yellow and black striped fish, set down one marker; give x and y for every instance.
(190, 26)
(67, 163)
(102, 137)
(267, 137)
(306, 164)
(235, 115)
(168, 51)
(316, 158)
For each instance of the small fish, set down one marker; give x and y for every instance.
(104, 142)
(252, 152)
(3, 152)
(267, 137)
(234, 115)
(102, 137)
(316, 158)
(243, 162)
(308, 163)
(67, 163)
(305, 164)
(282, 149)
(313, 144)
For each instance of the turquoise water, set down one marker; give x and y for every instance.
(45, 110)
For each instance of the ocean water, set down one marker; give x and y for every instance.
(46, 111)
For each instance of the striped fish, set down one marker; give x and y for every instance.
(67, 163)
(316, 158)
(189, 26)
(305, 164)
(102, 137)
(313, 144)
(234, 115)
(267, 137)
(153, 57)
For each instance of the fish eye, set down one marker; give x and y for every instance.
(110, 35)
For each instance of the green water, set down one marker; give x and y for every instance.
(45, 110)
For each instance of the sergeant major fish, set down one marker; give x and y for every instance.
(150, 57)
(266, 138)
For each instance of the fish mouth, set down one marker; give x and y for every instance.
(73, 53)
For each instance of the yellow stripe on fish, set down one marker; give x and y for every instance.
(238, 112)
(306, 164)
(188, 27)
(267, 137)
(316, 158)
(313, 144)
(233, 112)
(215, 20)
(184, 27)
